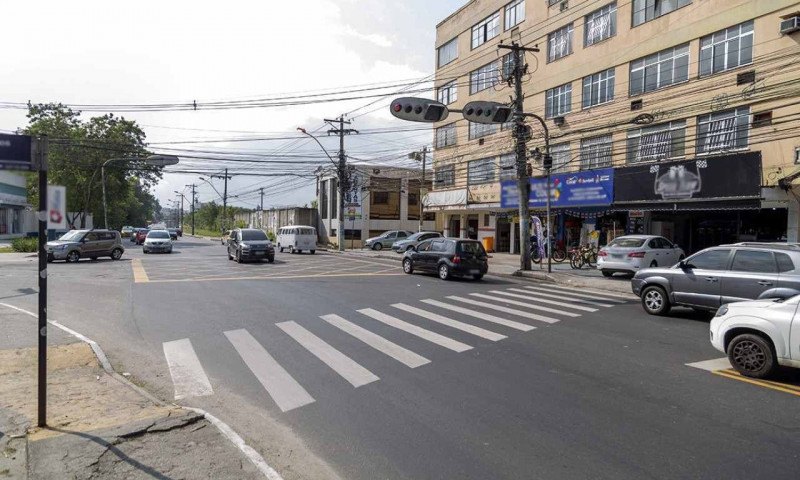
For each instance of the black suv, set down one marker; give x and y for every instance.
(448, 257)
(250, 244)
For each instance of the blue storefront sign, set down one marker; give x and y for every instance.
(589, 188)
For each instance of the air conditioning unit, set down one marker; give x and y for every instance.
(790, 25)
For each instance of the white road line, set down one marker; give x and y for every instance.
(512, 311)
(483, 316)
(536, 298)
(464, 327)
(187, 373)
(284, 390)
(377, 342)
(433, 337)
(593, 294)
(339, 362)
(560, 295)
(527, 305)
(712, 365)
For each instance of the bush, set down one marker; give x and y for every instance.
(25, 245)
(271, 236)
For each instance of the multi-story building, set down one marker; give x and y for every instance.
(688, 111)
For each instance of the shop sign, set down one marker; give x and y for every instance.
(16, 152)
(636, 214)
(576, 189)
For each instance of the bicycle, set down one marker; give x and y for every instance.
(558, 256)
(583, 255)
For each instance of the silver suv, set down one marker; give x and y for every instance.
(77, 244)
(719, 275)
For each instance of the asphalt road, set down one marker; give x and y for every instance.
(597, 389)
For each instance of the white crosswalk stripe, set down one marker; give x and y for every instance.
(512, 311)
(592, 294)
(284, 390)
(188, 376)
(483, 316)
(532, 296)
(561, 295)
(464, 327)
(420, 332)
(377, 342)
(339, 362)
(532, 306)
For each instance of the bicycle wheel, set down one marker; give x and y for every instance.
(588, 261)
(535, 256)
(574, 261)
(559, 255)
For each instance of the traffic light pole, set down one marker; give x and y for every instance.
(41, 148)
(421, 155)
(193, 189)
(224, 198)
(341, 173)
(547, 163)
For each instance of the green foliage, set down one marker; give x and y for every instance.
(25, 245)
(271, 236)
(241, 224)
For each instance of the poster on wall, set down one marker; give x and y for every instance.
(56, 207)
(589, 188)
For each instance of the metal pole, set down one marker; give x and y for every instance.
(547, 235)
(261, 212)
(342, 173)
(225, 201)
(103, 180)
(42, 374)
(522, 167)
(422, 186)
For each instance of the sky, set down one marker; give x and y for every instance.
(151, 52)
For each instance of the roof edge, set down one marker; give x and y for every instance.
(470, 2)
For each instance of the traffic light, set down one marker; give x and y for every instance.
(416, 109)
(487, 112)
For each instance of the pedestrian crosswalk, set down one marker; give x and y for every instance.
(448, 325)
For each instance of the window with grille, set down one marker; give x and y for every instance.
(448, 52)
(596, 152)
(646, 10)
(446, 136)
(598, 88)
(508, 66)
(481, 171)
(515, 13)
(508, 166)
(448, 93)
(660, 70)
(486, 30)
(720, 131)
(656, 142)
(485, 77)
(478, 130)
(600, 24)
(726, 49)
(445, 176)
(561, 157)
(559, 43)
(558, 101)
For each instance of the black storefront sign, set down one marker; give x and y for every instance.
(704, 183)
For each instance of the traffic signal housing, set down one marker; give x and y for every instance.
(487, 112)
(414, 109)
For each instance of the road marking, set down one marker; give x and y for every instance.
(464, 327)
(377, 342)
(283, 277)
(781, 387)
(339, 362)
(187, 373)
(591, 293)
(420, 332)
(483, 316)
(536, 298)
(526, 305)
(712, 365)
(512, 311)
(139, 274)
(562, 296)
(284, 390)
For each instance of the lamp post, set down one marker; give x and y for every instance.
(152, 160)
(183, 197)
(548, 165)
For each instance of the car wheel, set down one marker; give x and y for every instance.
(477, 277)
(606, 273)
(408, 266)
(116, 254)
(312, 252)
(655, 301)
(280, 249)
(292, 250)
(653, 264)
(752, 356)
(270, 259)
(73, 256)
(377, 246)
(238, 257)
(444, 271)
(230, 257)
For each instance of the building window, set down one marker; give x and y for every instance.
(646, 10)
(486, 30)
(561, 157)
(598, 88)
(721, 131)
(659, 70)
(596, 152)
(508, 66)
(515, 13)
(481, 171)
(558, 101)
(414, 207)
(448, 93)
(508, 166)
(656, 142)
(559, 43)
(446, 135)
(323, 199)
(600, 24)
(448, 52)
(445, 176)
(478, 130)
(384, 199)
(380, 198)
(726, 49)
(762, 119)
(485, 77)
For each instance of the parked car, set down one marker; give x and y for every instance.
(173, 233)
(631, 253)
(297, 238)
(180, 231)
(386, 239)
(141, 234)
(250, 244)
(133, 234)
(401, 246)
(157, 241)
(448, 257)
(127, 231)
(226, 236)
(719, 275)
(758, 336)
(77, 244)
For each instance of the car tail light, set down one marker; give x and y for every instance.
(602, 253)
(456, 259)
(636, 255)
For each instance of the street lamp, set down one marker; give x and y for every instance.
(152, 160)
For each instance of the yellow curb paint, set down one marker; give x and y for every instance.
(771, 385)
(771, 382)
(139, 274)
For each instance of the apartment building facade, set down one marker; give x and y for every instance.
(672, 117)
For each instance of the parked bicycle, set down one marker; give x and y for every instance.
(558, 256)
(583, 255)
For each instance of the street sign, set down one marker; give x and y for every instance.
(56, 207)
(16, 152)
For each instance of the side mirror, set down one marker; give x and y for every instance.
(675, 245)
(683, 265)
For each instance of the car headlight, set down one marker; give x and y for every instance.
(721, 311)
(59, 247)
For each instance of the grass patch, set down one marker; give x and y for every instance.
(25, 245)
(6, 250)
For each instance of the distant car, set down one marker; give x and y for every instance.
(77, 244)
(631, 253)
(173, 233)
(719, 275)
(758, 336)
(133, 234)
(401, 246)
(250, 244)
(180, 231)
(141, 234)
(127, 231)
(297, 238)
(226, 236)
(157, 241)
(448, 257)
(386, 239)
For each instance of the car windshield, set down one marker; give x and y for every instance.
(72, 235)
(253, 235)
(474, 248)
(158, 234)
(627, 242)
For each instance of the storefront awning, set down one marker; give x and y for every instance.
(445, 198)
(736, 203)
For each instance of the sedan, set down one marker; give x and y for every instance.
(387, 239)
(758, 336)
(157, 241)
(448, 257)
(401, 246)
(631, 253)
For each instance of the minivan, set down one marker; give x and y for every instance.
(297, 238)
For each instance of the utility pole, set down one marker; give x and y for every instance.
(341, 172)
(224, 197)
(421, 155)
(261, 213)
(193, 200)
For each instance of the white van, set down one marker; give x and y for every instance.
(297, 238)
